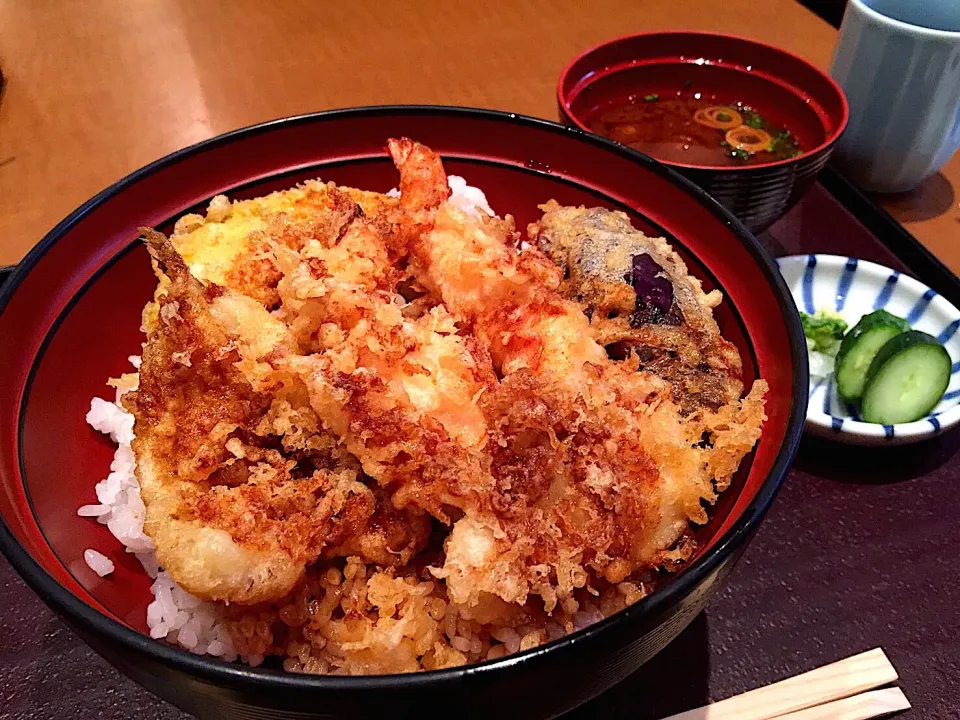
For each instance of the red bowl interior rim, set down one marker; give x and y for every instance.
(566, 99)
(85, 615)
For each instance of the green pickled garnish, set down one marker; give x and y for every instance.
(752, 119)
(784, 145)
(824, 330)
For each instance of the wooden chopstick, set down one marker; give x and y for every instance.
(864, 706)
(838, 680)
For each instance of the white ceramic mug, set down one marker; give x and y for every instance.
(898, 61)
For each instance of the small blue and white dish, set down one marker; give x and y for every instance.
(853, 288)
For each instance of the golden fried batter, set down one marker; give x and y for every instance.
(326, 369)
(243, 487)
(606, 472)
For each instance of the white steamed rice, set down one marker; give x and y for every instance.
(174, 615)
(464, 197)
(98, 562)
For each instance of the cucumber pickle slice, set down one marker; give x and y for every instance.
(860, 346)
(906, 379)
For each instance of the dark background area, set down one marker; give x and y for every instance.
(829, 10)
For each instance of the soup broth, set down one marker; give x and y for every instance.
(692, 129)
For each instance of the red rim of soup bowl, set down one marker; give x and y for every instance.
(31, 312)
(578, 75)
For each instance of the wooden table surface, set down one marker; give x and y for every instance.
(97, 88)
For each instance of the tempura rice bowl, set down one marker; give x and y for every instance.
(71, 340)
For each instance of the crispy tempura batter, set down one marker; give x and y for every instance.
(328, 368)
(597, 472)
(242, 486)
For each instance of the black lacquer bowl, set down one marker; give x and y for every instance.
(70, 316)
(791, 92)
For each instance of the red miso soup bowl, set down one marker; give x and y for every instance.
(610, 86)
(70, 317)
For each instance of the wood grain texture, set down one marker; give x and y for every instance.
(850, 676)
(875, 704)
(99, 88)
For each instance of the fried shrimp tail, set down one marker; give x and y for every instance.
(423, 182)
